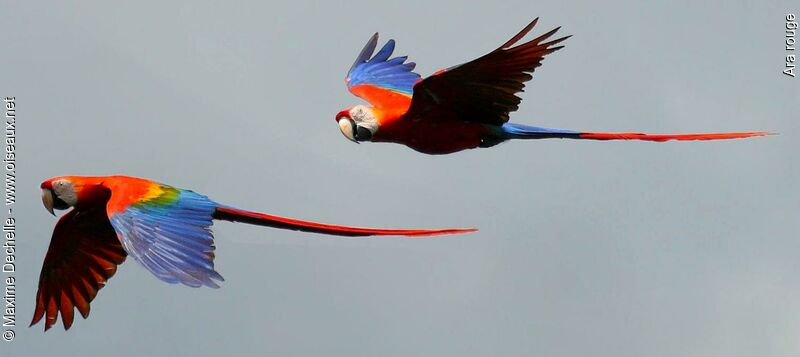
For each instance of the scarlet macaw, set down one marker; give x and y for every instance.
(166, 229)
(462, 107)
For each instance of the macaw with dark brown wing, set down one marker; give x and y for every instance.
(166, 229)
(462, 107)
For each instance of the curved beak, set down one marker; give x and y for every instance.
(47, 200)
(348, 128)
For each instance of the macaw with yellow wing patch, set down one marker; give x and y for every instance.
(166, 229)
(462, 107)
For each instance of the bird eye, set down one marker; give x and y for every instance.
(348, 128)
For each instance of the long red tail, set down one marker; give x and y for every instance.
(522, 131)
(666, 137)
(261, 219)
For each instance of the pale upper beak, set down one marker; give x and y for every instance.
(47, 200)
(348, 128)
(354, 132)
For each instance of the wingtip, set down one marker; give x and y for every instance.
(519, 35)
(524, 32)
(373, 41)
(555, 42)
(35, 320)
(530, 25)
(365, 54)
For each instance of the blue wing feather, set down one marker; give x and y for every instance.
(173, 240)
(382, 71)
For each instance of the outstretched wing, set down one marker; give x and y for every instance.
(83, 254)
(385, 82)
(484, 90)
(168, 231)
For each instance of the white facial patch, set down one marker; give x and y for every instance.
(63, 189)
(364, 117)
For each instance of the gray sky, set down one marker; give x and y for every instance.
(585, 248)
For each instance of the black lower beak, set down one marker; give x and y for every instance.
(51, 201)
(363, 134)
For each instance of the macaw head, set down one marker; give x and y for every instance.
(357, 123)
(69, 191)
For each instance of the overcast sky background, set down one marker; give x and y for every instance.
(585, 248)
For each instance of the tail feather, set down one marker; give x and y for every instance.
(519, 131)
(262, 219)
(666, 137)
